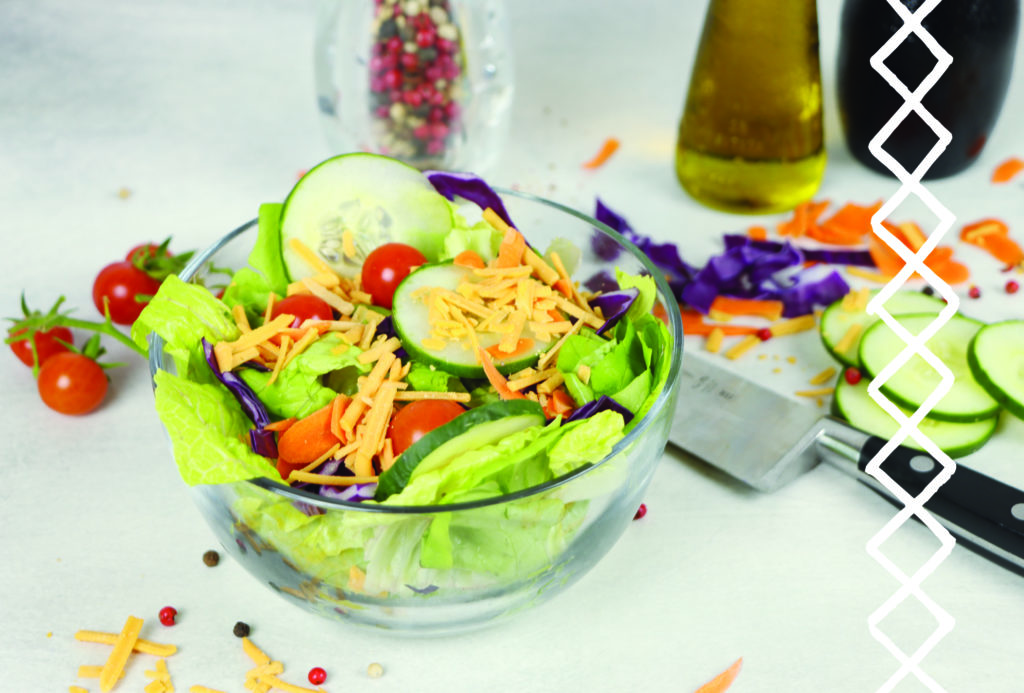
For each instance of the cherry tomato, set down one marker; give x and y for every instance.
(386, 267)
(120, 283)
(72, 383)
(303, 307)
(416, 419)
(150, 250)
(46, 344)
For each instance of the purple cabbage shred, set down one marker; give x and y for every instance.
(602, 403)
(251, 404)
(468, 186)
(614, 305)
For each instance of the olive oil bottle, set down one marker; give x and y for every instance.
(750, 139)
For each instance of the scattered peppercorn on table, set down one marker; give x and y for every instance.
(128, 123)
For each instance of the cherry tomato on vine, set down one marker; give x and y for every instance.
(303, 307)
(385, 267)
(46, 342)
(120, 283)
(71, 383)
(416, 419)
(145, 251)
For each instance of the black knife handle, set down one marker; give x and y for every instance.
(985, 515)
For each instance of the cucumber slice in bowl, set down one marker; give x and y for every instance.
(910, 386)
(854, 404)
(412, 320)
(996, 358)
(377, 199)
(472, 430)
(837, 320)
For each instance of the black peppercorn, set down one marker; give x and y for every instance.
(211, 558)
(241, 630)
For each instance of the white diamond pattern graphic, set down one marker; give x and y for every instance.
(913, 506)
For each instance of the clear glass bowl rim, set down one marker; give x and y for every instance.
(156, 362)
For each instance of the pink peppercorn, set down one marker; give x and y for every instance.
(1012, 287)
(641, 511)
(167, 615)
(764, 334)
(317, 675)
(852, 375)
(974, 292)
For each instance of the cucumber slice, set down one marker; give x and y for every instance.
(412, 324)
(853, 403)
(837, 320)
(915, 381)
(470, 431)
(996, 358)
(378, 199)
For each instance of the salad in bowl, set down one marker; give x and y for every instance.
(420, 404)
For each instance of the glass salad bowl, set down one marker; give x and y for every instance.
(363, 563)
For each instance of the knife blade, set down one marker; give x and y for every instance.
(766, 440)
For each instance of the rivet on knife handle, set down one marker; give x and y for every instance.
(984, 514)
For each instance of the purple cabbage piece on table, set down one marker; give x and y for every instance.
(664, 256)
(468, 186)
(859, 258)
(768, 271)
(602, 403)
(614, 305)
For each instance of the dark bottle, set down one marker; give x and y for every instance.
(981, 37)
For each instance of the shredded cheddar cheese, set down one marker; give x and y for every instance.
(123, 647)
(823, 376)
(802, 323)
(315, 262)
(849, 337)
(714, 340)
(815, 393)
(742, 347)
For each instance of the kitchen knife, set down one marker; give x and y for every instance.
(766, 439)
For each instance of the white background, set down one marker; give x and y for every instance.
(203, 110)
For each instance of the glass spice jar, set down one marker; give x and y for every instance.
(429, 82)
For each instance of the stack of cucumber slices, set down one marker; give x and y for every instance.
(987, 362)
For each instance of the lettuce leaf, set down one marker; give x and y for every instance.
(266, 273)
(428, 378)
(183, 314)
(644, 303)
(206, 427)
(298, 391)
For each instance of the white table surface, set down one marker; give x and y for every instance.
(205, 109)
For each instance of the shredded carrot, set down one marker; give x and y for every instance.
(469, 258)
(693, 324)
(521, 347)
(560, 403)
(748, 306)
(280, 426)
(940, 260)
(308, 438)
(721, 683)
(608, 148)
(1007, 169)
(851, 219)
(496, 379)
(805, 218)
(510, 252)
(757, 233)
(993, 236)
